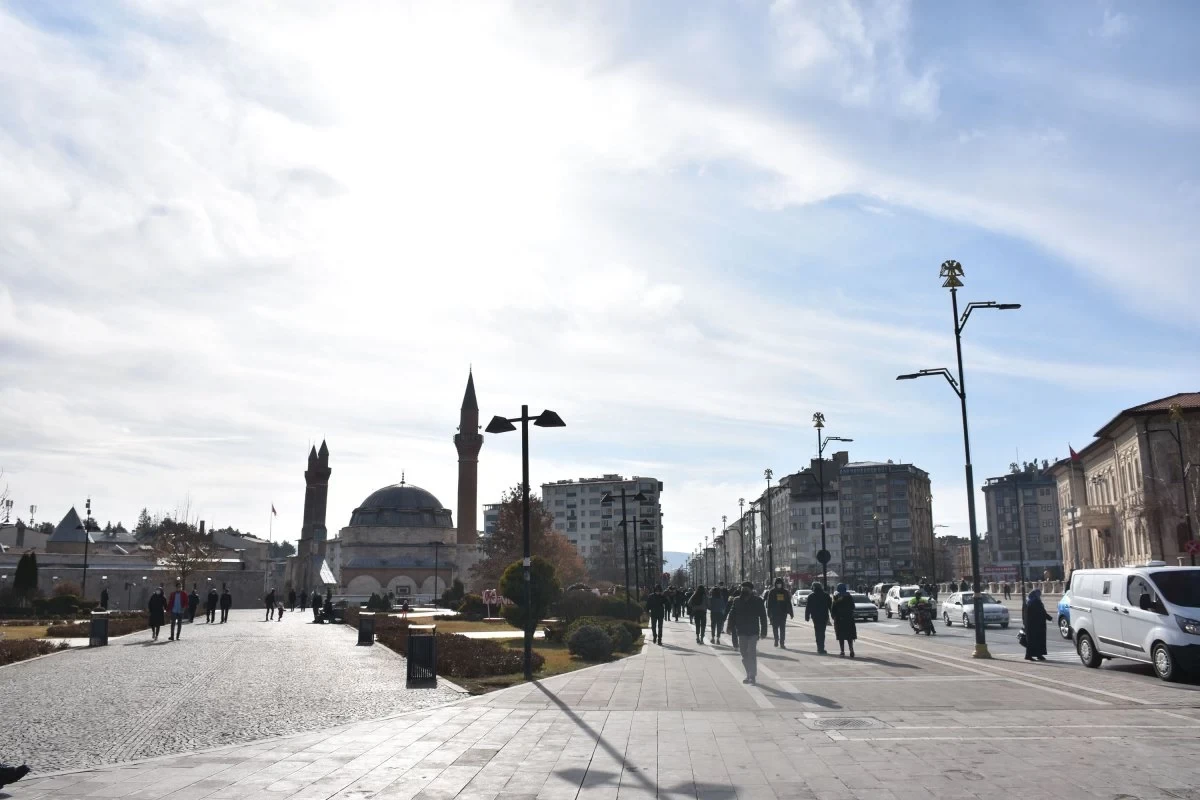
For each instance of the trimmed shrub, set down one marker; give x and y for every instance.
(622, 642)
(544, 590)
(472, 607)
(65, 588)
(590, 643)
(22, 649)
(610, 626)
(377, 603)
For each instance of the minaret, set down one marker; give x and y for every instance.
(316, 480)
(468, 440)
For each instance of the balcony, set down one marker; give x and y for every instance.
(1087, 517)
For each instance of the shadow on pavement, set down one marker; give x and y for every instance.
(883, 662)
(823, 702)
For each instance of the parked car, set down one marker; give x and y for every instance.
(1064, 615)
(800, 597)
(864, 609)
(960, 607)
(879, 592)
(897, 599)
(1149, 614)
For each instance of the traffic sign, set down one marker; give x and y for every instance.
(823, 556)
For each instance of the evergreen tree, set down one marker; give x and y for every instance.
(505, 545)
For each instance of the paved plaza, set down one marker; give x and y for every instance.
(220, 684)
(908, 718)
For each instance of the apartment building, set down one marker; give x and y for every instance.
(1023, 521)
(886, 522)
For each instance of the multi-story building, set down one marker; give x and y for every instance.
(594, 527)
(952, 558)
(796, 517)
(1023, 522)
(491, 518)
(886, 522)
(1129, 497)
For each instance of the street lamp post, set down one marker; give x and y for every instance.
(637, 586)
(606, 500)
(768, 474)
(952, 271)
(823, 556)
(878, 552)
(547, 419)
(436, 547)
(725, 547)
(87, 527)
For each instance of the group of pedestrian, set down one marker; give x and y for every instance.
(180, 605)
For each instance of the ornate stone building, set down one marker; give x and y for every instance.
(1130, 497)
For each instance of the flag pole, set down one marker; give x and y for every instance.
(271, 526)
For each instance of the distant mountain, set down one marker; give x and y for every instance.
(674, 560)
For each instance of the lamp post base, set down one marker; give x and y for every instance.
(981, 651)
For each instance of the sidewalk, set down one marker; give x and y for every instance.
(676, 721)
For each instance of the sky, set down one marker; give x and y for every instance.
(230, 231)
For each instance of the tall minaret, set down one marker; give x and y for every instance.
(316, 496)
(468, 440)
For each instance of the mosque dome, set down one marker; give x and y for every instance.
(401, 505)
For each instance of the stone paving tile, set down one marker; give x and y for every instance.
(219, 684)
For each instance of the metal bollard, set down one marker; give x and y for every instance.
(98, 635)
(366, 627)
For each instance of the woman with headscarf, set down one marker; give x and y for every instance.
(842, 611)
(157, 608)
(1034, 618)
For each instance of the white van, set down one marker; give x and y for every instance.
(1149, 614)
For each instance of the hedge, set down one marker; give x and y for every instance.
(118, 626)
(591, 643)
(581, 603)
(626, 628)
(22, 649)
(457, 656)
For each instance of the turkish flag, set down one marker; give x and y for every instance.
(1074, 455)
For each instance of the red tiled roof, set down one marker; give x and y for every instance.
(1189, 401)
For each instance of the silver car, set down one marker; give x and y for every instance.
(864, 609)
(960, 607)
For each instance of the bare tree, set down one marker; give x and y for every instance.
(182, 547)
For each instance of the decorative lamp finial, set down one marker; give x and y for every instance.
(951, 271)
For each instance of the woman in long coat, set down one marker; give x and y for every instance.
(157, 608)
(842, 611)
(1034, 618)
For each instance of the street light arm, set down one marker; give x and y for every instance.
(962, 322)
(925, 373)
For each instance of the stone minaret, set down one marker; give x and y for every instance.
(316, 496)
(468, 440)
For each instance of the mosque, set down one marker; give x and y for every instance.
(400, 539)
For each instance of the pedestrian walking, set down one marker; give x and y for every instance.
(748, 618)
(104, 598)
(698, 611)
(279, 609)
(1034, 618)
(656, 607)
(816, 610)
(226, 603)
(316, 605)
(842, 611)
(157, 612)
(779, 608)
(291, 600)
(679, 600)
(210, 605)
(270, 602)
(303, 600)
(177, 606)
(193, 603)
(1007, 591)
(718, 609)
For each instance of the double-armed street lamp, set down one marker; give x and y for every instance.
(823, 556)
(547, 419)
(766, 517)
(606, 500)
(952, 272)
(725, 547)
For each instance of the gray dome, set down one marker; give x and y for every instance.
(401, 506)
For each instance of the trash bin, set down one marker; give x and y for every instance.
(422, 655)
(98, 635)
(366, 627)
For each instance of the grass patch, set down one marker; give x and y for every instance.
(464, 626)
(558, 662)
(13, 633)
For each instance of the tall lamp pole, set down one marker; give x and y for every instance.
(823, 556)
(952, 272)
(768, 474)
(547, 419)
(725, 547)
(606, 500)
(741, 546)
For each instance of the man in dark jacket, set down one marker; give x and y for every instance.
(303, 600)
(210, 605)
(193, 603)
(291, 599)
(226, 603)
(816, 610)
(656, 607)
(779, 608)
(104, 598)
(269, 601)
(316, 605)
(748, 617)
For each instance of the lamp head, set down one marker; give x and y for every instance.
(499, 425)
(548, 419)
(910, 376)
(1008, 306)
